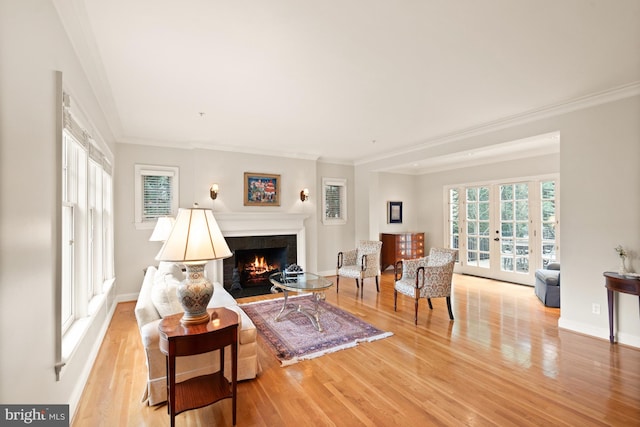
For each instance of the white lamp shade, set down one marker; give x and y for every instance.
(195, 237)
(162, 229)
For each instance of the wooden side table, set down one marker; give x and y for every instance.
(615, 282)
(179, 340)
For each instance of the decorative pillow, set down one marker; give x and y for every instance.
(169, 268)
(165, 286)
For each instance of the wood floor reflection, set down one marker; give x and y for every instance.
(503, 361)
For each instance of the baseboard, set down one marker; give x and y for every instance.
(127, 297)
(585, 329)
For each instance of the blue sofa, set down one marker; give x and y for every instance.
(547, 286)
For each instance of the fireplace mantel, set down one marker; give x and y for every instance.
(233, 224)
(239, 224)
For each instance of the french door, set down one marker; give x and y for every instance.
(504, 231)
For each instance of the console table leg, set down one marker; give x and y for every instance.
(610, 303)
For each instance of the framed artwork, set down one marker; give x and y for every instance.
(395, 213)
(261, 189)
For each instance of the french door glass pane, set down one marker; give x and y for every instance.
(548, 215)
(514, 223)
(478, 216)
(454, 218)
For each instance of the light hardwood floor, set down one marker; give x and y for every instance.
(502, 362)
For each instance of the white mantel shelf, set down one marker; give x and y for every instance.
(234, 224)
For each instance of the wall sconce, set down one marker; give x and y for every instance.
(213, 191)
(304, 194)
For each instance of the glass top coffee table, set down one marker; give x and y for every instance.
(301, 282)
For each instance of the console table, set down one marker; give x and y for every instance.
(619, 283)
(177, 340)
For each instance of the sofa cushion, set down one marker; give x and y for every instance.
(165, 286)
(145, 310)
(221, 298)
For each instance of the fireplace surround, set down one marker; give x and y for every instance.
(261, 226)
(255, 257)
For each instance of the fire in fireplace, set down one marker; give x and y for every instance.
(255, 267)
(256, 257)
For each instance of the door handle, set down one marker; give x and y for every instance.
(497, 239)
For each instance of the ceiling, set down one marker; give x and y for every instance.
(346, 80)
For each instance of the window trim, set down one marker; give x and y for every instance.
(334, 182)
(154, 170)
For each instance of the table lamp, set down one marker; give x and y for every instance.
(162, 229)
(194, 239)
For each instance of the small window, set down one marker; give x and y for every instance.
(156, 189)
(334, 201)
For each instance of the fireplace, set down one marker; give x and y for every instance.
(256, 257)
(257, 225)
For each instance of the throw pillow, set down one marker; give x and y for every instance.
(165, 287)
(169, 268)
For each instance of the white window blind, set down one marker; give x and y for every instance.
(334, 201)
(157, 196)
(156, 193)
(333, 206)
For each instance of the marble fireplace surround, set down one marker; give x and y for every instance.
(258, 224)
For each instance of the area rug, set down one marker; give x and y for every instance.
(294, 338)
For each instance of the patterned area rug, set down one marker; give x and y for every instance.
(294, 338)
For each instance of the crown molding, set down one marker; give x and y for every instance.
(189, 145)
(73, 15)
(591, 100)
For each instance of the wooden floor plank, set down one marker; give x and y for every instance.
(502, 361)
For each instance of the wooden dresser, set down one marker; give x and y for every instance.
(397, 246)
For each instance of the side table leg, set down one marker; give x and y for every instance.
(171, 396)
(610, 298)
(234, 375)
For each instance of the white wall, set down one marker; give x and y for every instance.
(199, 168)
(334, 238)
(33, 45)
(399, 188)
(600, 202)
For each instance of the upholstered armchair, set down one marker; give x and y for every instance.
(427, 277)
(360, 263)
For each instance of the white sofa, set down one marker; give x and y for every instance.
(157, 299)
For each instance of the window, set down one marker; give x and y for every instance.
(156, 189)
(87, 225)
(334, 201)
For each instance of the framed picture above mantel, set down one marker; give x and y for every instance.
(261, 189)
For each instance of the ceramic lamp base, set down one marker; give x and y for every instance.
(194, 295)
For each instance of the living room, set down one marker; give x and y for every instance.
(596, 163)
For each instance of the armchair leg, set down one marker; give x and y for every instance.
(377, 285)
(395, 300)
(415, 320)
(358, 283)
(337, 283)
(449, 307)
(429, 301)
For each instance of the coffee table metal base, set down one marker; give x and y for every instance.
(312, 314)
